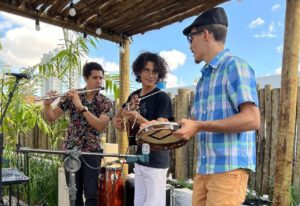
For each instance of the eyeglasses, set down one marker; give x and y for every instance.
(190, 35)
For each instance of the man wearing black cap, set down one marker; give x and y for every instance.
(225, 115)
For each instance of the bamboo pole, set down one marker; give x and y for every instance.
(124, 93)
(287, 111)
(181, 154)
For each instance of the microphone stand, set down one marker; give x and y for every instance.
(10, 95)
(72, 163)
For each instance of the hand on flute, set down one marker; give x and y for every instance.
(48, 102)
(73, 94)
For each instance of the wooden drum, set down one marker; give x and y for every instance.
(110, 187)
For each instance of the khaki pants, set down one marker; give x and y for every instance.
(223, 189)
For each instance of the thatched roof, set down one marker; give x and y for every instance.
(116, 18)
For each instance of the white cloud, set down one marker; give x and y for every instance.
(272, 27)
(111, 67)
(269, 34)
(275, 7)
(15, 20)
(5, 25)
(173, 81)
(278, 70)
(279, 24)
(279, 49)
(22, 44)
(174, 58)
(255, 23)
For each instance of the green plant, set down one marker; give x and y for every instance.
(67, 61)
(43, 173)
(294, 195)
(43, 179)
(294, 192)
(57, 131)
(23, 115)
(182, 184)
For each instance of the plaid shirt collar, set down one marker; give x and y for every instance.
(217, 60)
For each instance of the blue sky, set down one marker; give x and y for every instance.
(255, 34)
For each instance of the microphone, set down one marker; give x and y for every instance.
(18, 75)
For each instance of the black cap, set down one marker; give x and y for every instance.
(213, 16)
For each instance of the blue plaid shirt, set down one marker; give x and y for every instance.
(226, 83)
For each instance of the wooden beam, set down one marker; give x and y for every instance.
(58, 6)
(287, 112)
(95, 8)
(173, 18)
(59, 21)
(137, 13)
(124, 93)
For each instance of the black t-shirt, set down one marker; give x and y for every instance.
(158, 105)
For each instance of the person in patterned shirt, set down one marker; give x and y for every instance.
(89, 115)
(225, 115)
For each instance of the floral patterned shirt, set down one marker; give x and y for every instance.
(80, 134)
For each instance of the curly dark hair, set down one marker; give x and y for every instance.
(160, 65)
(89, 67)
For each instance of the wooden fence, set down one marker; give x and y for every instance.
(183, 160)
(267, 136)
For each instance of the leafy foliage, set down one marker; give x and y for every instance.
(294, 195)
(181, 184)
(24, 114)
(67, 61)
(43, 183)
(57, 131)
(44, 180)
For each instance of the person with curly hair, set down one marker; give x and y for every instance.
(150, 177)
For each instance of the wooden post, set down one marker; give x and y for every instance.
(192, 146)
(287, 111)
(275, 113)
(124, 93)
(267, 150)
(260, 142)
(181, 154)
(172, 152)
(296, 173)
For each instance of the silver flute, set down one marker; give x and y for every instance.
(64, 95)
